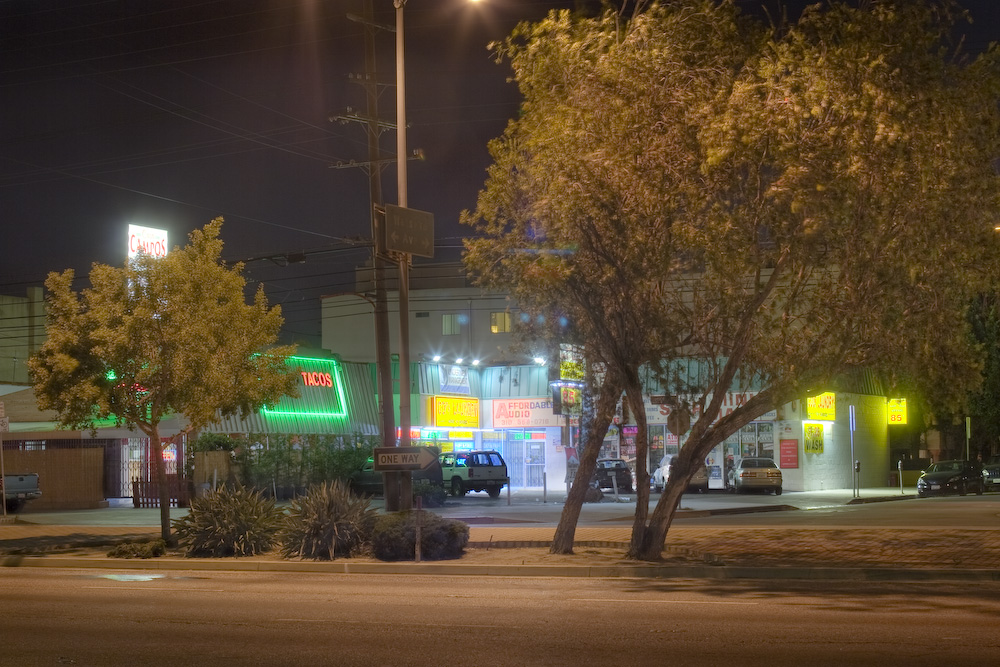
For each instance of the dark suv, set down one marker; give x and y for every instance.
(613, 469)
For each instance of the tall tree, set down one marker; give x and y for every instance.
(741, 205)
(160, 336)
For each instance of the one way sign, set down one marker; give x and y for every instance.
(403, 458)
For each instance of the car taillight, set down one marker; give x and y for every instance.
(471, 470)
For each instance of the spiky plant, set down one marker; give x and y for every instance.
(232, 521)
(326, 522)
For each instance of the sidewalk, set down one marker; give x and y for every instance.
(514, 539)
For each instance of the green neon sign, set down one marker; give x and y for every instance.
(322, 391)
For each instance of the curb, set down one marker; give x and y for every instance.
(579, 571)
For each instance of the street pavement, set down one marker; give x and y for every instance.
(525, 521)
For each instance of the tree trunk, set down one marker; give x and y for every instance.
(633, 392)
(652, 537)
(161, 479)
(600, 419)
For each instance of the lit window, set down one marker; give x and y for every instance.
(500, 322)
(451, 325)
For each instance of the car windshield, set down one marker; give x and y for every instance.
(945, 466)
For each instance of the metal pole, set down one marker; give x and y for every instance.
(854, 469)
(405, 491)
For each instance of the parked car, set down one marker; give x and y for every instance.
(698, 481)
(368, 481)
(613, 471)
(755, 473)
(18, 488)
(474, 471)
(991, 472)
(946, 477)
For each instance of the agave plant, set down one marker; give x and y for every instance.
(326, 522)
(232, 521)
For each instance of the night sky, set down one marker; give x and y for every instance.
(167, 113)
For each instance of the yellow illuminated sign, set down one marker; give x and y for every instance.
(457, 412)
(897, 410)
(822, 407)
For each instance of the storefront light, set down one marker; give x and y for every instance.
(475, 362)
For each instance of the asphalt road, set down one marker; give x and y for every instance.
(99, 618)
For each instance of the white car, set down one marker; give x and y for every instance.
(698, 482)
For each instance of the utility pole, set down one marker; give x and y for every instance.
(380, 258)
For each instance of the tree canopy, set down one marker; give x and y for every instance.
(160, 336)
(780, 204)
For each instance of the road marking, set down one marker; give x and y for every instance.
(367, 622)
(643, 601)
(156, 588)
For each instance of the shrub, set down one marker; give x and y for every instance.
(394, 536)
(151, 549)
(232, 521)
(430, 494)
(325, 523)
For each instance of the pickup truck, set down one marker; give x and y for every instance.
(483, 470)
(18, 488)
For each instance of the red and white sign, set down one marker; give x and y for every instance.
(524, 413)
(148, 240)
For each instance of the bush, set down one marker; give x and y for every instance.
(430, 494)
(325, 523)
(394, 536)
(151, 549)
(232, 521)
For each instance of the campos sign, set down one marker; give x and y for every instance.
(148, 240)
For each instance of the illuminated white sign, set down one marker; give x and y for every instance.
(148, 240)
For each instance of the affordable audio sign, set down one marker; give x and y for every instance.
(524, 412)
(321, 390)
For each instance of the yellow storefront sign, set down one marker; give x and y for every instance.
(456, 412)
(897, 410)
(822, 407)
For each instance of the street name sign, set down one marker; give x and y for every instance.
(388, 459)
(409, 231)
